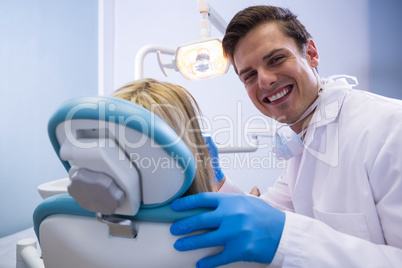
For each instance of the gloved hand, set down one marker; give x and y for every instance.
(248, 228)
(214, 155)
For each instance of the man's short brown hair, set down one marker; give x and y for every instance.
(247, 19)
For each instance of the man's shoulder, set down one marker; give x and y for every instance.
(370, 106)
(368, 114)
(365, 98)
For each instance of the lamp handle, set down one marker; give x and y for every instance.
(145, 50)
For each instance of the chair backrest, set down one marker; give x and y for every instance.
(126, 166)
(119, 155)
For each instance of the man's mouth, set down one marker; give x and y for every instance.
(278, 95)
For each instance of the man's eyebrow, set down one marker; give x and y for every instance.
(245, 70)
(267, 56)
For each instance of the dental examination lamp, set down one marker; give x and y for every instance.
(196, 60)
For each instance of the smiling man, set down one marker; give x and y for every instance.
(279, 78)
(339, 202)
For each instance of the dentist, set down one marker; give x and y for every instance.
(339, 201)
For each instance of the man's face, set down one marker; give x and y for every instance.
(280, 81)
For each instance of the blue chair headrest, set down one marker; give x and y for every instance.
(128, 144)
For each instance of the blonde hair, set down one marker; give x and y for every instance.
(175, 105)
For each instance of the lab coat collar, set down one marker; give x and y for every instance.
(333, 93)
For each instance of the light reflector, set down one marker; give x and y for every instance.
(201, 59)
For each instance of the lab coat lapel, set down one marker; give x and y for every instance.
(319, 142)
(292, 172)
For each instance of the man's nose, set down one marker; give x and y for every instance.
(266, 79)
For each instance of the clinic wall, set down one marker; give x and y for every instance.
(48, 53)
(223, 100)
(385, 48)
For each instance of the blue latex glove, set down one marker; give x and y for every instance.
(214, 155)
(248, 228)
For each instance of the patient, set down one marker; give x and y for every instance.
(176, 106)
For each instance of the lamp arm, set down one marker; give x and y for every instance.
(145, 50)
(217, 20)
(249, 148)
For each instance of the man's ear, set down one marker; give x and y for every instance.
(312, 54)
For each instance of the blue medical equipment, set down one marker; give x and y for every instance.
(126, 166)
(214, 155)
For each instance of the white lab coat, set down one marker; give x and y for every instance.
(343, 194)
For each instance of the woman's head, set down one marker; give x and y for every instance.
(174, 105)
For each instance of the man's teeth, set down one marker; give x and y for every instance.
(279, 95)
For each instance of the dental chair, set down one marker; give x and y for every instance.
(125, 167)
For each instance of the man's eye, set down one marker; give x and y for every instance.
(248, 76)
(276, 59)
